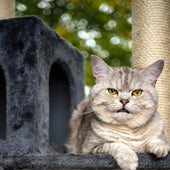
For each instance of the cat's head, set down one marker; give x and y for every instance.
(124, 95)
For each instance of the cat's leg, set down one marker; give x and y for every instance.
(158, 147)
(126, 158)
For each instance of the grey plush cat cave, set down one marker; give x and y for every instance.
(41, 82)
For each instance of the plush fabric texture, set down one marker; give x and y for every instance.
(28, 49)
(79, 161)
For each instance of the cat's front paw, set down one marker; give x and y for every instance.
(126, 158)
(128, 161)
(159, 148)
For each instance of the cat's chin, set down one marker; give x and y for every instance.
(122, 115)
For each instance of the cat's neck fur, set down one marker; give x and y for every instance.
(135, 137)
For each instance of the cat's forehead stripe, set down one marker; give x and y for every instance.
(126, 72)
(124, 77)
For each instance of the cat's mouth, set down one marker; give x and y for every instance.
(123, 110)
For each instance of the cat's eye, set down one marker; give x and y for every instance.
(112, 91)
(137, 92)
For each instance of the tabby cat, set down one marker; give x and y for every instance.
(120, 118)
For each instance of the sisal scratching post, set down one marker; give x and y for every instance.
(151, 41)
(7, 9)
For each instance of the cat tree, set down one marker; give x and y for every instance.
(151, 41)
(35, 62)
(43, 77)
(7, 9)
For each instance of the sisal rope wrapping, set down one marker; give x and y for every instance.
(7, 9)
(151, 41)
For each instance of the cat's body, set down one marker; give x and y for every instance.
(120, 117)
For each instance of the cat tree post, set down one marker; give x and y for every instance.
(7, 9)
(151, 41)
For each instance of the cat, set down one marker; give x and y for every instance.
(120, 117)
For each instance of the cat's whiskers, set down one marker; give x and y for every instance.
(98, 109)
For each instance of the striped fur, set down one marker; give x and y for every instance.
(97, 126)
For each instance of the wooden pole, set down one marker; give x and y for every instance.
(7, 9)
(151, 41)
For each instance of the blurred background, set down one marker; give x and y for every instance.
(98, 27)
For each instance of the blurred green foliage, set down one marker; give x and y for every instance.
(98, 27)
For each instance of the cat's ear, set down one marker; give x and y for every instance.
(153, 71)
(99, 68)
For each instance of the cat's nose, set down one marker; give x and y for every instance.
(124, 101)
